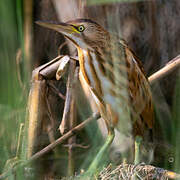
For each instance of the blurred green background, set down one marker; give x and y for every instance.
(12, 99)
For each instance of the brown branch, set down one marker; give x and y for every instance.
(76, 146)
(51, 146)
(49, 112)
(49, 70)
(64, 137)
(67, 107)
(55, 90)
(168, 68)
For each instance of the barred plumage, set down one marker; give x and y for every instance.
(129, 86)
(114, 75)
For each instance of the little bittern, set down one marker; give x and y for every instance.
(115, 77)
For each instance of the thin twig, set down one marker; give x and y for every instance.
(49, 70)
(67, 107)
(49, 112)
(170, 66)
(51, 146)
(64, 137)
(53, 88)
(77, 146)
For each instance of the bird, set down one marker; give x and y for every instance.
(114, 76)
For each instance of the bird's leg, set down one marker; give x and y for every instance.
(138, 140)
(94, 165)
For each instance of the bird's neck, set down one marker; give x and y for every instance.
(82, 54)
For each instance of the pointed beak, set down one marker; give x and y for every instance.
(63, 28)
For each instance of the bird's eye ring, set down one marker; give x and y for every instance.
(81, 28)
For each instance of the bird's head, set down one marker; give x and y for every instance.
(84, 33)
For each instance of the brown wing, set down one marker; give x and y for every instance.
(122, 41)
(124, 88)
(140, 94)
(129, 89)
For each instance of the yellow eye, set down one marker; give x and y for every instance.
(81, 28)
